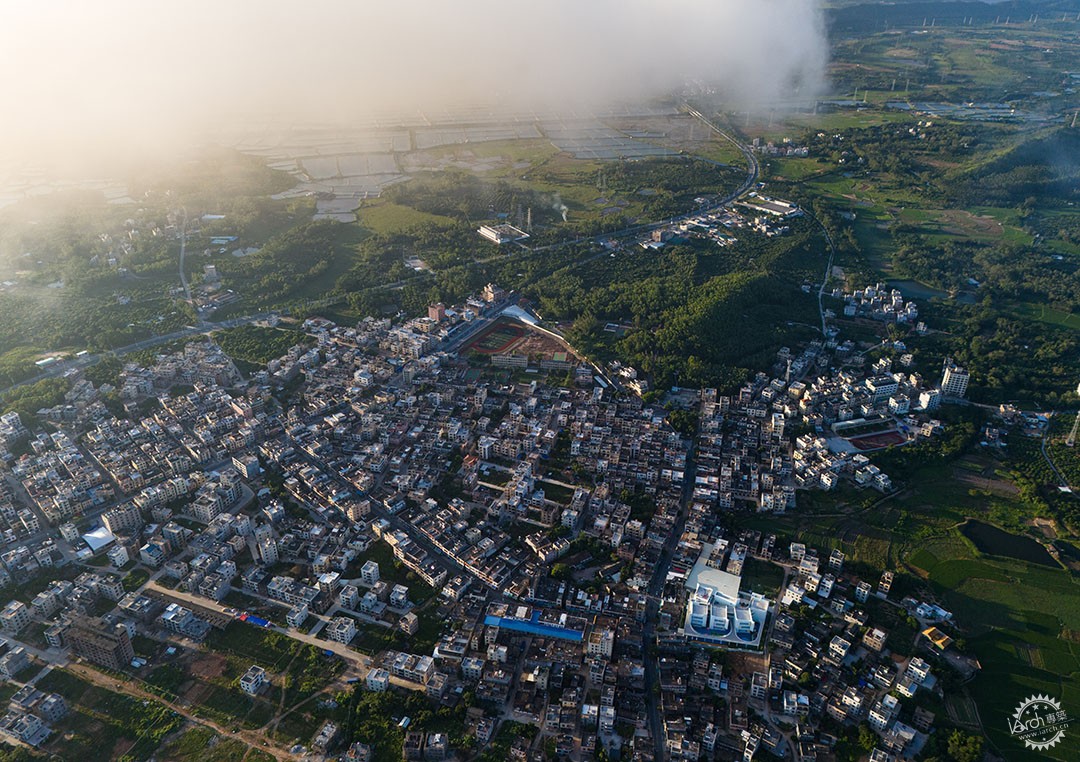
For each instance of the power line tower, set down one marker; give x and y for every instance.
(1071, 439)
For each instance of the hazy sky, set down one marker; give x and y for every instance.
(95, 78)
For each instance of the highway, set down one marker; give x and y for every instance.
(753, 170)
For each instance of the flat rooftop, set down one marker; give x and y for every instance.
(724, 583)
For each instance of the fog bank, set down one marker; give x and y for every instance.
(118, 78)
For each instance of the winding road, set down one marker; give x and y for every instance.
(828, 270)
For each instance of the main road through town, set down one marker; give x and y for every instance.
(653, 601)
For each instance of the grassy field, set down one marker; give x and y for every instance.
(795, 169)
(1020, 620)
(392, 571)
(762, 577)
(386, 217)
(557, 492)
(721, 151)
(103, 725)
(1045, 314)
(257, 345)
(201, 744)
(533, 151)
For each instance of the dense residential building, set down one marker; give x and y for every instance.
(14, 617)
(101, 643)
(543, 510)
(123, 519)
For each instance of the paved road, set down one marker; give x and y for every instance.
(206, 326)
(326, 645)
(378, 511)
(1062, 481)
(752, 172)
(655, 592)
(663, 565)
(828, 269)
(183, 275)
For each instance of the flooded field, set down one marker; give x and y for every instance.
(998, 542)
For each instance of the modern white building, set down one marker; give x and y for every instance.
(297, 616)
(954, 380)
(378, 680)
(399, 597)
(14, 617)
(349, 597)
(717, 612)
(472, 668)
(342, 629)
(119, 556)
(601, 642)
(253, 680)
(369, 573)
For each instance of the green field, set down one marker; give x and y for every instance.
(1020, 620)
(386, 217)
(762, 577)
(201, 744)
(533, 151)
(103, 725)
(391, 570)
(1045, 314)
(257, 345)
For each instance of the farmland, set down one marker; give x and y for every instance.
(1019, 618)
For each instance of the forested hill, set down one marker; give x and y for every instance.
(1045, 170)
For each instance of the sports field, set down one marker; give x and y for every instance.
(878, 441)
(499, 338)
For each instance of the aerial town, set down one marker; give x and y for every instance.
(625, 381)
(514, 519)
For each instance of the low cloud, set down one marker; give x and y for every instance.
(116, 78)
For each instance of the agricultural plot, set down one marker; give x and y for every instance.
(449, 135)
(201, 744)
(1020, 619)
(1020, 614)
(1046, 314)
(597, 141)
(386, 217)
(103, 725)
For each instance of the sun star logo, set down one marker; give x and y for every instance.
(1039, 722)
